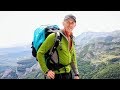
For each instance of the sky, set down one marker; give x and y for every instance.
(17, 27)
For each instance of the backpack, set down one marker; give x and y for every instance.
(40, 34)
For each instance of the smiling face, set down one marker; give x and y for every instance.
(69, 24)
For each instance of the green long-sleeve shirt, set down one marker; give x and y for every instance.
(66, 56)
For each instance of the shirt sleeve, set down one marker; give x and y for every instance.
(47, 45)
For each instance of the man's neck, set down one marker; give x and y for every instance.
(67, 34)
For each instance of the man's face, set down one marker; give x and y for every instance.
(69, 24)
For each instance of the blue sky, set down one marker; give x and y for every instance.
(17, 27)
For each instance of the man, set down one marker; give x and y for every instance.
(67, 56)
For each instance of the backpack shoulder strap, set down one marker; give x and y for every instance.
(58, 38)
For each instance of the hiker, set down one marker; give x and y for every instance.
(66, 52)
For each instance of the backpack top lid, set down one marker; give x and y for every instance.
(41, 33)
(53, 27)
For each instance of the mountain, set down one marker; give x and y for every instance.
(17, 63)
(98, 43)
(86, 37)
(26, 69)
(9, 74)
(109, 72)
(14, 54)
(96, 50)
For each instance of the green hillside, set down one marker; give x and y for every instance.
(109, 72)
(100, 57)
